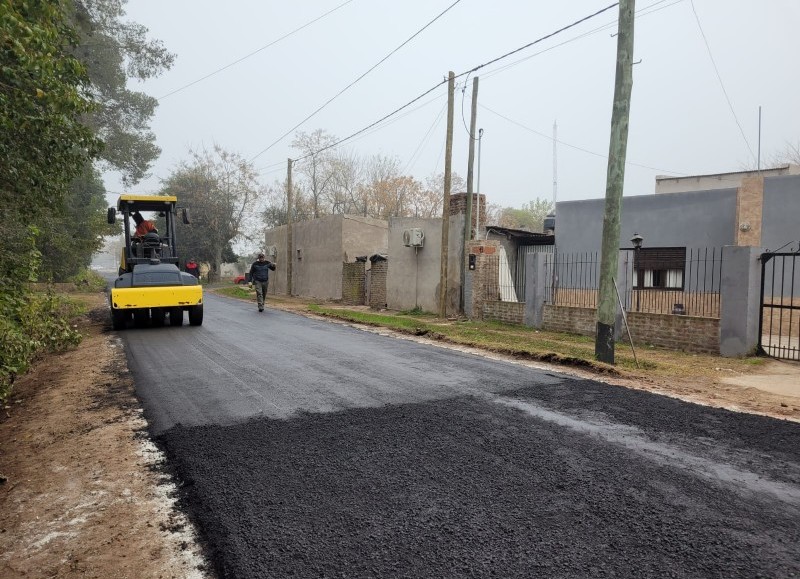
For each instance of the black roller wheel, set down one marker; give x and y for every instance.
(141, 317)
(118, 319)
(176, 317)
(196, 315)
(157, 317)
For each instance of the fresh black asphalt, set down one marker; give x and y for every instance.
(310, 449)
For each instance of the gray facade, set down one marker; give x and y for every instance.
(695, 219)
(320, 246)
(781, 213)
(414, 273)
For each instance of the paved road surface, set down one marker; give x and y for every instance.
(312, 449)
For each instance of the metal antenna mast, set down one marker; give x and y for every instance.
(555, 164)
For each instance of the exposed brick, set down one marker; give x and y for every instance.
(353, 283)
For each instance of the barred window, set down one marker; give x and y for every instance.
(659, 268)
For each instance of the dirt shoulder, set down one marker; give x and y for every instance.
(83, 493)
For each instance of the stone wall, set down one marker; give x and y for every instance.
(353, 289)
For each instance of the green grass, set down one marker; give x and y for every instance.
(236, 292)
(518, 341)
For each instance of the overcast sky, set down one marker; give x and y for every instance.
(681, 122)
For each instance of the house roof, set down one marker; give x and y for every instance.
(522, 236)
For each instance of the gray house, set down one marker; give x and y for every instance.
(700, 247)
(320, 247)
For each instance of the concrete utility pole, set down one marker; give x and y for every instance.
(448, 164)
(470, 165)
(289, 249)
(615, 179)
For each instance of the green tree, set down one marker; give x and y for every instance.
(71, 236)
(529, 218)
(113, 51)
(221, 190)
(44, 97)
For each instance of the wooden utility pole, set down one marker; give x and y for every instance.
(470, 165)
(615, 179)
(289, 249)
(448, 166)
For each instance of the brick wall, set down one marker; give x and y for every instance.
(509, 312)
(686, 333)
(377, 284)
(458, 206)
(571, 320)
(485, 275)
(353, 289)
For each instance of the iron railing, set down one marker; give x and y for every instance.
(573, 280)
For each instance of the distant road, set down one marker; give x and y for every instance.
(313, 449)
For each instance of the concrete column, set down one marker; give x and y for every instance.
(535, 288)
(749, 209)
(740, 300)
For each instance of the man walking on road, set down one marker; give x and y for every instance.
(259, 277)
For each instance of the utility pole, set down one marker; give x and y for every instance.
(615, 179)
(448, 163)
(289, 250)
(470, 165)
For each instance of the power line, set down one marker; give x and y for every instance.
(337, 95)
(646, 11)
(425, 138)
(542, 39)
(444, 81)
(721, 84)
(571, 146)
(285, 36)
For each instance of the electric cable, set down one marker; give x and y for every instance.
(433, 88)
(337, 95)
(235, 62)
(646, 11)
(721, 84)
(571, 146)
(424, 140)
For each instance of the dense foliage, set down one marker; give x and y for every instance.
(64, 104)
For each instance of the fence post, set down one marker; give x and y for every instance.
(740, 300)
(535, 287)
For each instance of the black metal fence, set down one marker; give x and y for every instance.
(779, 324)
(688, 283)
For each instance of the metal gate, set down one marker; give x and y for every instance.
(779, 324)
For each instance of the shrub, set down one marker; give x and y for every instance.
(30, 326)
(88, 280)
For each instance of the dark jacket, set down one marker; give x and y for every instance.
(259, 271)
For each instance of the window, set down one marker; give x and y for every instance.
(659, 268)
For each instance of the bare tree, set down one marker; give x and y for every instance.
(790, 154)
(346, 194)
(315, 166)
